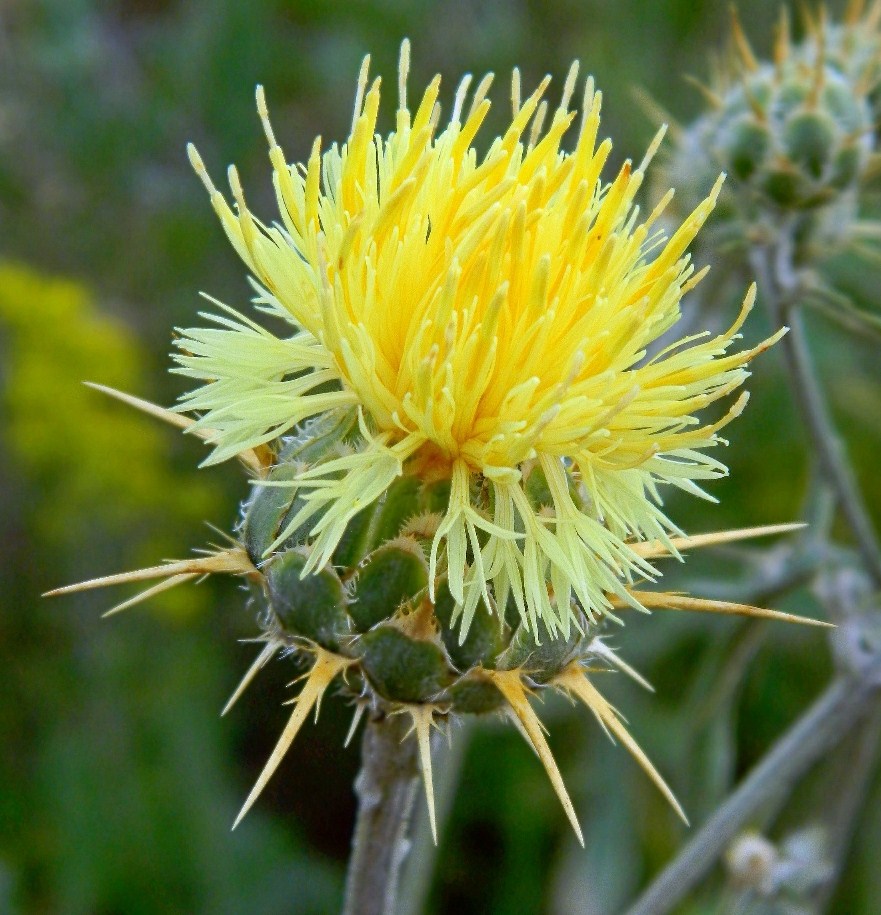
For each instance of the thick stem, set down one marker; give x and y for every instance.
(782, 289)
(386, 787)
(821, 727)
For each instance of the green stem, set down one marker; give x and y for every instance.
(386, 788)
(783, 291)
(845, 701)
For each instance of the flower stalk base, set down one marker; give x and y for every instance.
(386, 788)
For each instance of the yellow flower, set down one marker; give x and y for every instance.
(489, 317)
(492, 322)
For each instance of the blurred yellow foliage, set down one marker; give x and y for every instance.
(91, 463)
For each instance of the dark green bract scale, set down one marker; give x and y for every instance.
(475, 694)
(403, 669)
(312, 607)
(390, 576)
(541, 661)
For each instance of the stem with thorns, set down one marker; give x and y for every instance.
(386, 788)
(845, 701)
(783, 290)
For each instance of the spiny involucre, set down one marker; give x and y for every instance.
(460, 444)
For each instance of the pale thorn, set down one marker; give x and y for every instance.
(250, 457)
(598, 647)
(326, 667)
(151, 592)
(741, 42)
(781, 41)
(224, 535)
(259, 663)
(574, 681)
(657, 600)
(654, 549)
(713, 99)
(234, 561)
(422, 716)
(360, 708)
(509, 684)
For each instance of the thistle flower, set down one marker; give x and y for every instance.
(488, 319)
(461, 440)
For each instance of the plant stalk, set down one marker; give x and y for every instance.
(386, 788)
(845, 701)
(783, 290)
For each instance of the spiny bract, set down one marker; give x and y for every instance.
(459, 445)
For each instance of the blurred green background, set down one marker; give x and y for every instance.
(119, 780)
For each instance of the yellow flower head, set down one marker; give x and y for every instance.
(488, 317)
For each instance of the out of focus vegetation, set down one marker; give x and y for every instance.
(119, 779)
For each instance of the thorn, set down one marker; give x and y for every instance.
(266, 653)
(654, 549)
(819, 79)
(152, 591)
(853, 12)
(360, 708)
(741, 43)
(326, 667)
(256, 459)
(511, 687)
(573, 680)
(781, 42)
(810, 23)
(422, 716)
(710, 97)
(234, 561)
(655, 111)
(598, 647)
(667, 601)
(168, 416)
